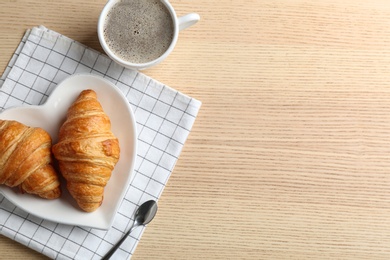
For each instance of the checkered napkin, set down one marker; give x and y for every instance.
(164, 119)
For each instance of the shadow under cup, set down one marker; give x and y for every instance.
(126, 63)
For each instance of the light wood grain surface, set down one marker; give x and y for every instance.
(290, 155)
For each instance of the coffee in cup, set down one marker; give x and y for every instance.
(140, 33)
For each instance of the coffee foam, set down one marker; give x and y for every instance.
(138, 31)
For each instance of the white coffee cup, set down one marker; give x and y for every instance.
(179, 23)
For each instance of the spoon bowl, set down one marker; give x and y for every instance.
(145, 213)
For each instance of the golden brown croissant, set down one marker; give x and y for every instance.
(87, 151)
(25, 160)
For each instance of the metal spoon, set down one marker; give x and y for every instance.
(144, 214)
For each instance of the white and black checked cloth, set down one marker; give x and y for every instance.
(164, 119)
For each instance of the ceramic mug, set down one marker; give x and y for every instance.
(179, 23)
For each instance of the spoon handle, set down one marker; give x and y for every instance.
(117, 245)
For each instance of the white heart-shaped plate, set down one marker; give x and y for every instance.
(50, 117)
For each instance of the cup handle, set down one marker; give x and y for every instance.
(188, 20)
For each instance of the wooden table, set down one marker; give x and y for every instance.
(290, 155)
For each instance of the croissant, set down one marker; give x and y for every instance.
(25, 160)
(87, 151)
